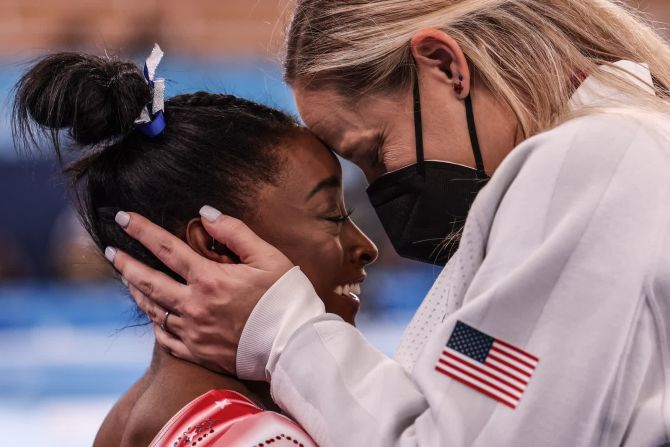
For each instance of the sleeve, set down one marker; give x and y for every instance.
(330, 378)
(570, 244)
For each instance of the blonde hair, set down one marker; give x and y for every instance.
(528, 53)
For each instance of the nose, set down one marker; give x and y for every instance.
(363, 250)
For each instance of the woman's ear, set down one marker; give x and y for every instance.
(205, 245)
(437, 53)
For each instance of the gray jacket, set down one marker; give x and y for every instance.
(562, 280)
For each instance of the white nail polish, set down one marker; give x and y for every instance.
(124, 281)
(209, 213)
(110, 254)
(122, 218)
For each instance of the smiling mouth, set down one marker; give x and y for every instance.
(351, 290)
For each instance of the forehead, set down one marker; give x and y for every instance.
(308, 161)
(337, 121)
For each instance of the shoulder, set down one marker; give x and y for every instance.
(598, 152)
(585, 154)
(174, 386)
(224, 417)
(622, 138)
(593, 179)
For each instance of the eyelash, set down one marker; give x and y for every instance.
(341, 218)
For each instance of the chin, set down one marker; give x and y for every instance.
(344, 306)
(351, 319)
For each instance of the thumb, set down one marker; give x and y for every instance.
(238, 237)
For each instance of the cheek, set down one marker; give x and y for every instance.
(321, 260)
(308, 243)
(398, 153)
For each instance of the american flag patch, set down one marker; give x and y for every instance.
(491, 366)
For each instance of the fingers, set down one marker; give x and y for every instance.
(238, 237)
(178, 349)
(156, 313)
(171, 250)
(174, 325)
(157, 286)
(172, 344)
(151, 309)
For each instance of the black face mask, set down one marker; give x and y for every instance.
(423, 206)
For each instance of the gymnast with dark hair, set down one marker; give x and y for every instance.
(125, 148)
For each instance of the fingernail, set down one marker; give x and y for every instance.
(110, 254)
(209, 213)
(124, 281)
(122, 218)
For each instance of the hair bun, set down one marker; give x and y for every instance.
(95, 98)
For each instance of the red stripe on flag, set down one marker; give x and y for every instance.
(479, 379)
(514, 348)
(516, 359)
(481, 370)
(481, 390)
(502, 371)
(509, 365)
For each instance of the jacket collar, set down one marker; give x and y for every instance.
(593, 93)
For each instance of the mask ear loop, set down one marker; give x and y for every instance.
(472, 129)
(418, 132)
(418, 128)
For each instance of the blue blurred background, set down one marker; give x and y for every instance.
(69, 340)
(69, 344)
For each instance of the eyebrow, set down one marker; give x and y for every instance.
(330, 182)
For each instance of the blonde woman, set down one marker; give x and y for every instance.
(549, 325)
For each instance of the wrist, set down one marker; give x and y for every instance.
(283, 309)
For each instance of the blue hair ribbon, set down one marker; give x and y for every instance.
(152, 119)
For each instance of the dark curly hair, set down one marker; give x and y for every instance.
(217, 149)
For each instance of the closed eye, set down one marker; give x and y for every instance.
(340, 218)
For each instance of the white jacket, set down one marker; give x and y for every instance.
(565, 255)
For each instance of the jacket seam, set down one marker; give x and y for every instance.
(612, 401)
(665, 360)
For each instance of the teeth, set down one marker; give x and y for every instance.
(347, 289)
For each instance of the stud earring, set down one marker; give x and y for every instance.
(458, 88)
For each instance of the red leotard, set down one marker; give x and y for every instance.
(226, 418)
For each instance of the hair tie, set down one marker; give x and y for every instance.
(152, 121)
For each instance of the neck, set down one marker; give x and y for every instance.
(163, 363)
(499, 130)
